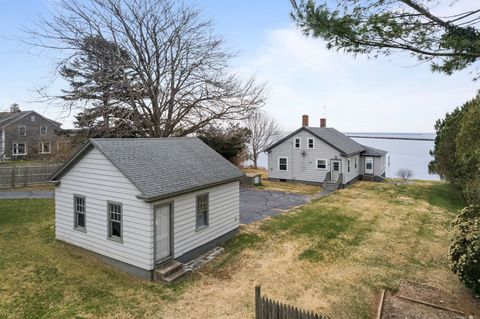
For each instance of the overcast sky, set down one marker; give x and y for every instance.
(391, 94)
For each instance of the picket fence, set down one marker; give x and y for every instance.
(15, 176)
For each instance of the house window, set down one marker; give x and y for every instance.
(43, 130)
(44, 148)
(310, 143)
(79, 209)
(348, 165)
(282, 164)
(297, 142)
(32, 118)
(355, 163)
(202, 211)
(115, 221)
(19, 149)
(22, 130)
(321, 163)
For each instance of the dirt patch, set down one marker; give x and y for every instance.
(416, 300)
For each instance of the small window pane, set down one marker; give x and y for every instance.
(43, 130)
(79, 208)
(81, 220)
(282, 164)
(202, 211)
(310, 143)
(322, 164)
(115, 222)
(297, 143)
(336, 166)
(116, 229)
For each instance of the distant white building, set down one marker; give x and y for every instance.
(142, 203)
(323, 155)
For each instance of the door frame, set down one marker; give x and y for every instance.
(168, 258)
(339, 168)
(373, 165)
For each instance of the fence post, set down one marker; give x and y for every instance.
(13, 176)
(258, 303)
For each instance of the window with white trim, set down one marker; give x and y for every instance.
(22, 130)
(79, 211)
(310, 143)
(19, 149)
(298, 142)
(282, 164)
(202, 211)
(43, 130)
(348, 165)
(44, 147)
(115, 221)
(32, 118)
(321, 163)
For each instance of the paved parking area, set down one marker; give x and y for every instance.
(258, 204)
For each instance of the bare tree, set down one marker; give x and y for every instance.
(405, 174)
(179, 79)
(264, 131)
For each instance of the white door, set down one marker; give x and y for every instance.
(335, 169)
(368, 165)
(162, 233)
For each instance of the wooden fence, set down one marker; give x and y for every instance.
(15, 176)
(268, 309)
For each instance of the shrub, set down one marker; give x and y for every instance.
(464, 251)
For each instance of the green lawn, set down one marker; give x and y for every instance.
(43, 278)
(333, 256)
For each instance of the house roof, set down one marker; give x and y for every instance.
(331, 136)
(7, 118)
(161, 167)
(370, 151)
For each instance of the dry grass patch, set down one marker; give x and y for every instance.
(297, 188)
(331, 256)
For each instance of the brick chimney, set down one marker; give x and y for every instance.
(304, 120)
(323, 122)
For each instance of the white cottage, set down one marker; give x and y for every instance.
(323, 155)
(139, 204)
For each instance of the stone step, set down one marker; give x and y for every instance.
(168, 269)
(176, 275)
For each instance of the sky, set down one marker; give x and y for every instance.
(355, 94)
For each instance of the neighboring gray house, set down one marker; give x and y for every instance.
(27, 134)
(141, 203)
(323, 155)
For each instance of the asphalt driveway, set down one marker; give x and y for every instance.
(256, 205)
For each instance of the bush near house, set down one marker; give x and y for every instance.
(464, 252)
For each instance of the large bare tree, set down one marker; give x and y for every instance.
(264, 131)
(179, 79)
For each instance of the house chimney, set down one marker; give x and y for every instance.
(323, 122)
(14, 108)
(304, 120)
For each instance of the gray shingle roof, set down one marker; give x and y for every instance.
(370, 151)
(329, 135)
(163, 167)
(337, 139)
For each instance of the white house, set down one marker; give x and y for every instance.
(141, 203)
(323, 155)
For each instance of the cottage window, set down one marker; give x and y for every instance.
(44, 148)
(310, 143)
(19, 149)
(115, 221)
(298, 143)
(22, 130)
(79, 209)
(202, 211)
(321, 163)
(282, 164)
(32, 118)
(348, 165)
(43, 130)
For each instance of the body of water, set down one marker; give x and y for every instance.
(405, 150)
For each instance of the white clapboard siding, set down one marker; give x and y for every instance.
(99, 181)
(302, 168)
(379, 164)
(223, 215)
(354, 172)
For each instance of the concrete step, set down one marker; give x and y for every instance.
(168, 269)
(176, 275)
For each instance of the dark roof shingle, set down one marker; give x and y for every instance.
(163, 167)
